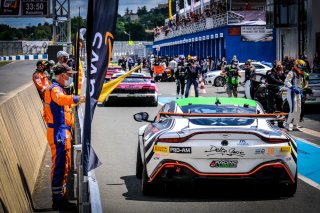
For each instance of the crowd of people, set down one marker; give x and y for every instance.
(291, 75)
(215, 8)
(54, 83)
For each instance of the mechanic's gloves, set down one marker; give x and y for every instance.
(295, 90)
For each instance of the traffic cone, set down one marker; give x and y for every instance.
(202, 87)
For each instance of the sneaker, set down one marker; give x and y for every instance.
(295, 128)
(63, 205)
(287, 127)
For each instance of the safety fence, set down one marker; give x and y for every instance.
(23, 47)
(22, 147)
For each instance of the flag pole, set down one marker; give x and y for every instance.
(76, 80)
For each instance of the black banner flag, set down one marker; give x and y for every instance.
(101, 24)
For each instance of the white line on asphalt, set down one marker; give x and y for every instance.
(309, 181)
(310, 132)
(2, 93)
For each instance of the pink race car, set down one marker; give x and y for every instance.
(111, 71)
(135, 86)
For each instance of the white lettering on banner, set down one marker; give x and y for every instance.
(96, 36)
(96, 40)
(92, 83)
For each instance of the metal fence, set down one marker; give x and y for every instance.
(122, 48)
(11, 48)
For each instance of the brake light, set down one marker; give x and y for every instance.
(277, 140)
(151, 88)
(172, 140)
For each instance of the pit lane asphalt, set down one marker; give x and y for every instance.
(114, 138)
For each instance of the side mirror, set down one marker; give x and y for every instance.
(152, 81)
(141, 116)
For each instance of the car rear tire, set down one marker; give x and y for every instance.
(288, 190)
(147, 188)
(219, 81)
(154, 102)
(139, 164)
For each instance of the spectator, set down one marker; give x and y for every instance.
(232, 72)
(59, 119)
(180, 79)
(249, 69)
(192, 77)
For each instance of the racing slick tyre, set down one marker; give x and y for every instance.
(219, 81)
(289, 189)
(139, 164)
(147, 188)
(154, 102)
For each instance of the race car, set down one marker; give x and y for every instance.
(112, 69)
(137, 86)
(209, 138)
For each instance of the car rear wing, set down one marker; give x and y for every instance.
(226, 115)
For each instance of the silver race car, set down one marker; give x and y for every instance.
(214, 138)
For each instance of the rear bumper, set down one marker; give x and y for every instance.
(179, 171)
(132, 96)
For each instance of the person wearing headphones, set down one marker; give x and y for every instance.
(294, 82)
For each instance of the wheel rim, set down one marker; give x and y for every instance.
(219, 82)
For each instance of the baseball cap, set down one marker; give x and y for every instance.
(41, 62)
(60, 68)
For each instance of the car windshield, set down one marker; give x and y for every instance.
(220, 109)
(136, 80)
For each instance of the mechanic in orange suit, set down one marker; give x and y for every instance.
(40, 79)
(59, 118)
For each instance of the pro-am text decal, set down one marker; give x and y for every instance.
(173, 149)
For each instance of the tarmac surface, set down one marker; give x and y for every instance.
(16, 74)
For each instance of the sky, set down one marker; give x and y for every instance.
(75, 4)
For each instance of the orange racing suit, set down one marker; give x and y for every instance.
(41, 81)
(59, 118)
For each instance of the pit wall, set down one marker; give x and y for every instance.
(22, 147)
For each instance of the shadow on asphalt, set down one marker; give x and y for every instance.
(204, 192)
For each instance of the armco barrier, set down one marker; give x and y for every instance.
(22, 146)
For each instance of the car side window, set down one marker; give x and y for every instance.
(168, 107)
(258, 66)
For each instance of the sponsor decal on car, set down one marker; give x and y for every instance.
(242, 143)
(285, 149)
(223, 163)
(173, 149)
(270, 151)
(260, 151)
(224, 151)
(160, 149)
